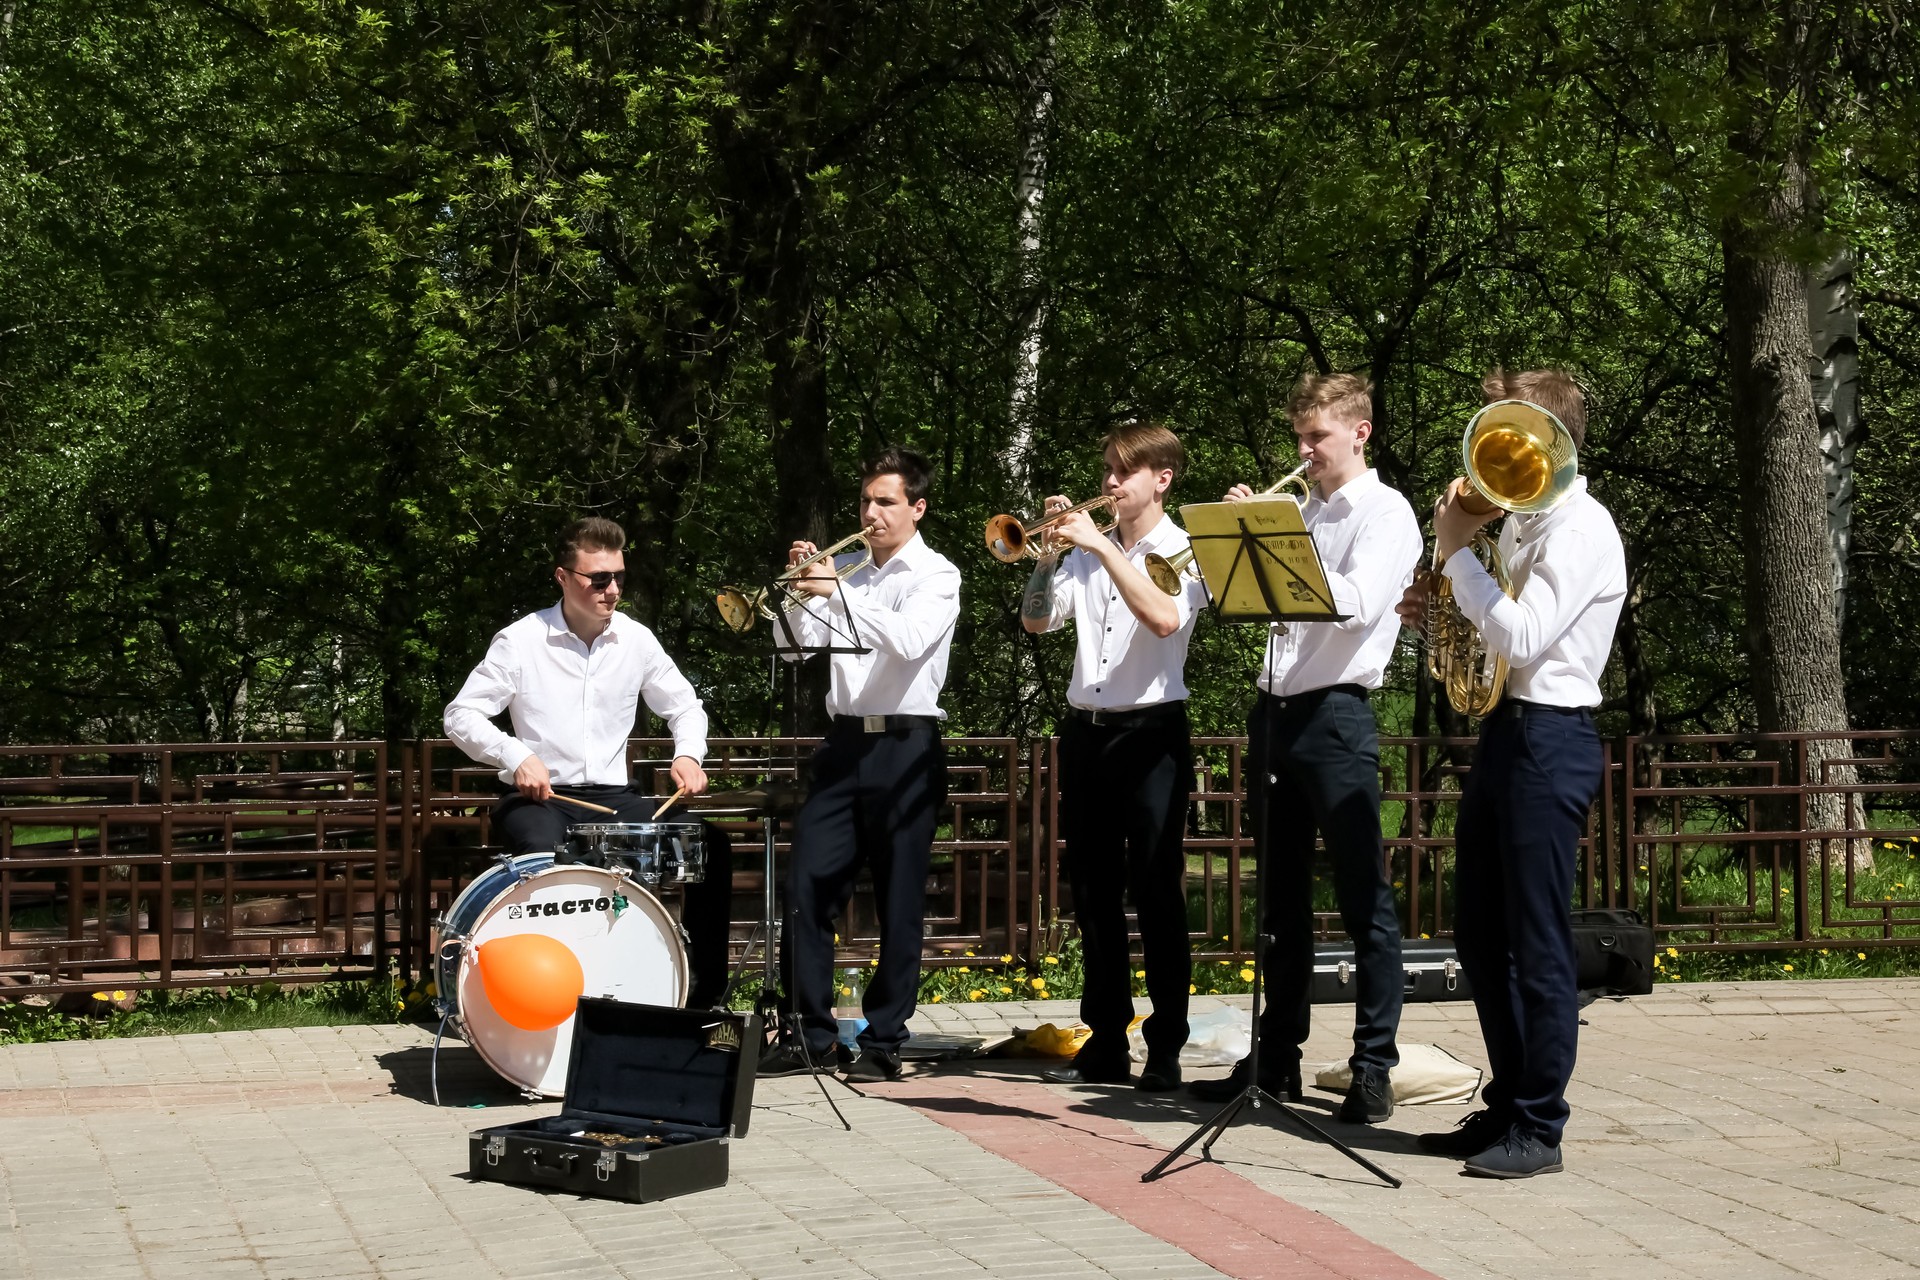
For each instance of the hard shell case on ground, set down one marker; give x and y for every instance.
(1432, 971)
(676, 1084)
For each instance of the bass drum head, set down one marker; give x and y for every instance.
(628, 946)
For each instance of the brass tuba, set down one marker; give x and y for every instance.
(739, 606)
(1519, 458)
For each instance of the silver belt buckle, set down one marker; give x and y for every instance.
(1096, 717)
(874, 724)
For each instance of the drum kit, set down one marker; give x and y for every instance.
(605, 900)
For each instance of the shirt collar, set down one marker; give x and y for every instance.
(908, 556)
(1151, 540)
(556, 618)
(1355, 490)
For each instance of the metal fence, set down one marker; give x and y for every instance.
(172, 865)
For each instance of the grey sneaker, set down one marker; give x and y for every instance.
(1518, 1155)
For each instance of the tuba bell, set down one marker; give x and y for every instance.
(1520, 459)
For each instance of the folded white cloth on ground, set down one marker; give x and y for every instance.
(1426, 1074)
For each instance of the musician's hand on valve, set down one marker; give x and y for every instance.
(1078, 530)
(533, 780)
(688, 775)
(1239, 493)
(1454, 525)
(817, 578)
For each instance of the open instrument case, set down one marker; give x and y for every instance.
(654, 1094)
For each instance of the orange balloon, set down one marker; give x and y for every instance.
(532, 981)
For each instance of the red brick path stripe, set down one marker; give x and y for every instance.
(1204, 1209)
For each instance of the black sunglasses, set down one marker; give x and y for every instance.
(602, 580)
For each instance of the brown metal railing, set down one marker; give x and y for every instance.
(182, 864)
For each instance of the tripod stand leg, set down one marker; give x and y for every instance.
(1209, 1129)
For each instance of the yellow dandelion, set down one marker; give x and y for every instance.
(1213, 991)
(1053, 959)
(846, 991)
(969, 953)
(976, 994)
(1823, 951)
(1139, 973)
(1787, 967)
(1658, 963)
(1246, 975)
(1192, 990)
(965, 969)
(119, 995)
(1038, 984)
(101, 995)
(1006, 959)
(1859, 955)
(1675, 954)
(936, 997)
(1006, 991)
(1888, 844)
(1426, 935)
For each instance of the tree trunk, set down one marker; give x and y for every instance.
(1792, 636)
(1029, 192)
(1833, 320)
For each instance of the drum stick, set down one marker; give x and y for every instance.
(668, 803)
(587, 804)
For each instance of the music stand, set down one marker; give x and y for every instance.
(785, 599)
(1259, 564)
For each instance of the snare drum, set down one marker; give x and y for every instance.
(628, 946)
(657, 854)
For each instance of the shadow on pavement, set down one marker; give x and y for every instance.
(465, 1080)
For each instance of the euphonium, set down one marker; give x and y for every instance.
(1519, 458)
(739, 606)
(1010, 541)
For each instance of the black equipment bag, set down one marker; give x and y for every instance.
(654, 1094)
(1613, 952)
(1432, 971)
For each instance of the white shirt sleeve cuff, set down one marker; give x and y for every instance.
(513, 754)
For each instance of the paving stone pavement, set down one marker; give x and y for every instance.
(1759, 1130)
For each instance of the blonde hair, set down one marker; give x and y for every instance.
(1552, 389)
(1347, 396)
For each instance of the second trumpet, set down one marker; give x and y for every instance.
(1010, 541)
(739, 606)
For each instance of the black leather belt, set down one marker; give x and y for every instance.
(1524, 708)
(1315, 695)
(886, 724)
(1132, 716)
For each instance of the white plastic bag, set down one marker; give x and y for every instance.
(1216, 1037)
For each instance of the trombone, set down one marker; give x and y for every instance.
(739, 606)
(1519, 458)
(1010, 541)
(1166, 571)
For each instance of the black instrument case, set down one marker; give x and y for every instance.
(654, 1095)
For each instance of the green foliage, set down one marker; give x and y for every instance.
(316, 320)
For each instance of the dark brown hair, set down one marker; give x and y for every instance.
(591, 533)
(1348, 396)
(916, 474)
(1142, 443)
(1552, 389)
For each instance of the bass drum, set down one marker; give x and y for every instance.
(628, 946)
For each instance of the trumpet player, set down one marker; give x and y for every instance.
(1315, 754)
(879, 778)
(1535, 773)
(1126, 752)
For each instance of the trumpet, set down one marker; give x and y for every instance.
(1519, 458)
(1010, 541)
(1296, 478)
(739, 605)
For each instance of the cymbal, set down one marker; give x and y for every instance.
(782, 799)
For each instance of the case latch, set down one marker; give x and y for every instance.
(1452, 970)
(1345, 971)
(496, 1148)
(603, 1167)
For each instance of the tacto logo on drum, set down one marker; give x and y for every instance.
(569, 907)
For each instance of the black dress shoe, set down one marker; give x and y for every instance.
(1369, 1098)
(1085, 1070)
(1283, 1084)
(1161, 1073)
(1468, 1138)
(787, 1060)
(1517, 1155)
(874, 1066)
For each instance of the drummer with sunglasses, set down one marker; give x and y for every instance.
(571, 678)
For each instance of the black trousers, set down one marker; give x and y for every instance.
(1522, 811)
(1123, 806)
(1323, 750)
(540, 826)
(873, 802)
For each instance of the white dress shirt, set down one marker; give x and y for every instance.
(904, 613)
(1569, 573)
(572, 704)
(1119, 665)
(1369, 544)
